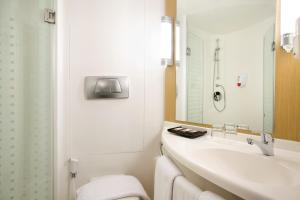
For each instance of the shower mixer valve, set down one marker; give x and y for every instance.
(217, 96)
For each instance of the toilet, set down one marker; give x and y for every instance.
(122, 187)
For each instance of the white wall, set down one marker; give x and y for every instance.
(117, 37)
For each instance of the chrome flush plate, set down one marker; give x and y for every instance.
(106, 87)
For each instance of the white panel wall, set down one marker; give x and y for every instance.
(116, 37)
(107, 38)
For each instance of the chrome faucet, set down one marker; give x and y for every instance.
(265, 145)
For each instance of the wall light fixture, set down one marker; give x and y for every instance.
(290, 12)
(167, 40)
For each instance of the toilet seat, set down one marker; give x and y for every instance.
(121, 187)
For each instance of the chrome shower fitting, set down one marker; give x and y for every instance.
(217, 95)
(265, 145)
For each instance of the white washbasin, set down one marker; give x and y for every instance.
(238, 167)
(252, 167)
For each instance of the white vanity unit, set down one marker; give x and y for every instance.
(230, 163)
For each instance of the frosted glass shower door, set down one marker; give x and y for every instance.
(195, 79)
(25, 101)
(268, 84)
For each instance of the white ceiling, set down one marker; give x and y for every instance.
(223, 16)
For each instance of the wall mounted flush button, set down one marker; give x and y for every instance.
(111, 87)
(107, 86)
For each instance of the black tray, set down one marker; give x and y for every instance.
(187, 132)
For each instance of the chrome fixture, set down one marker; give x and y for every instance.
(217, 95)
(287, 42)
(49, 16)
(112, 87)
(217, 58)
(265, 145)
(188, 51)
(73, 167)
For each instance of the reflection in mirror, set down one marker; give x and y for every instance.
(226, 70)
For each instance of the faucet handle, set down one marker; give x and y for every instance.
(250, 141)
(266, 145)
(267, 138)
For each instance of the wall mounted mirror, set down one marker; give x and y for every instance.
(225, 73)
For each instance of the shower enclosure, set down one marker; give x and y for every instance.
(26, 68)
(195, 78)
(268, 80)
(219, 92)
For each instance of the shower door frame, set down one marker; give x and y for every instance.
(60, 95)
(53, 100)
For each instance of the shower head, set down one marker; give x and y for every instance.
(216, 56)
(217, 50)
(218, 45)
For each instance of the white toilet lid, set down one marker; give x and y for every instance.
(112, 187)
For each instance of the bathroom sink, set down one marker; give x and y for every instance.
(242, 169)
(250, 167)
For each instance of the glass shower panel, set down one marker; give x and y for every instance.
(268, 77)
(25, 101)
(195, 78)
